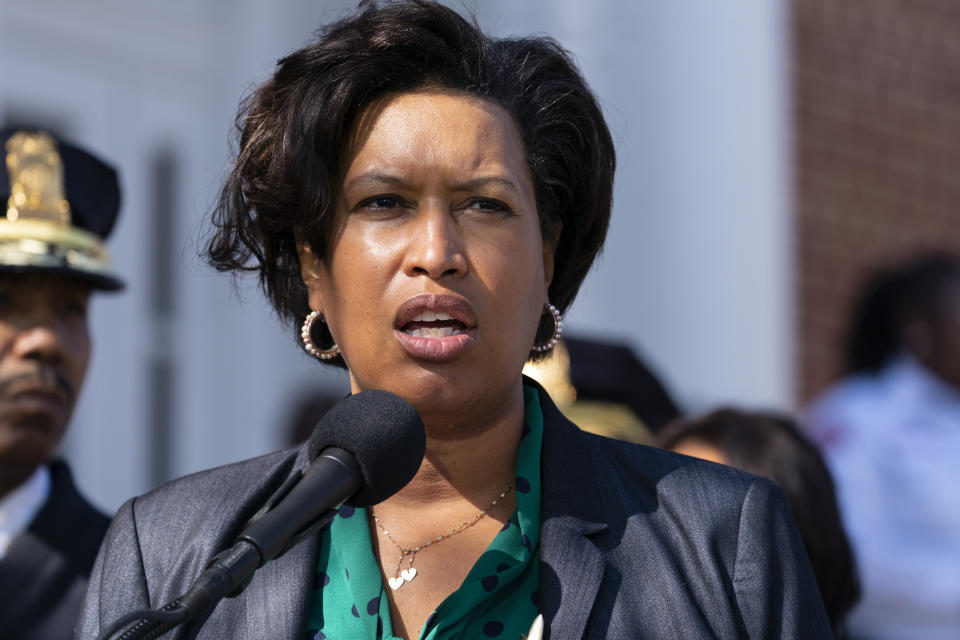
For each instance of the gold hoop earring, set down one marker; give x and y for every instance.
(306, 335)
(541, 347)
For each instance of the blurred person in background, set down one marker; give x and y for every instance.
(58, 203)
(772, 446)
(604, 388)
(890, 432)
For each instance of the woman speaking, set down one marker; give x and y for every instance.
(422, 202)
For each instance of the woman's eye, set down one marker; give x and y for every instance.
(489, 205)
(380, 202)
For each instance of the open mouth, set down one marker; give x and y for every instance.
(436, 327)
(433, 324)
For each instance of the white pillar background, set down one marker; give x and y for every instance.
(697, 271)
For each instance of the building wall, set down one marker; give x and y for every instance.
(878, 150)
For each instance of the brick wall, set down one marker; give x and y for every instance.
(877, 124)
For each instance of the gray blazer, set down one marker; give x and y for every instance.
(635, 543)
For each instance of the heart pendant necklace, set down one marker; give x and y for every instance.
(410, 553)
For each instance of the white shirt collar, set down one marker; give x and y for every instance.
(19, 507)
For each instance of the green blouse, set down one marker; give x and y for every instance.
(498, 598)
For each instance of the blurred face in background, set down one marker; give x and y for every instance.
(437, 275)
(699, 448)
(933, 336)
(44, 351)
(945, 356)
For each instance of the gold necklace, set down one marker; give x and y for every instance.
(408, 574)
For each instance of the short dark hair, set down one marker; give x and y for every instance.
(294, 128)
(771, 445)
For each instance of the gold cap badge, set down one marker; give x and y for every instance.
(36, 179)
(38, 232)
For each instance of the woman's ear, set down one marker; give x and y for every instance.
(311, 270)
(550, 240)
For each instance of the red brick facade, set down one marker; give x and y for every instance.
(877, 124)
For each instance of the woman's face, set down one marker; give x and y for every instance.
(437, 273)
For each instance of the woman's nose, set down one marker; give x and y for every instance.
(436, 248)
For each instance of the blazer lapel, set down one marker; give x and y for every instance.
(279, 595)
(571, 563)
(43, 576)
(40, 591)
(571, 570)
(68, 524)
(30, 573)
(274, 604)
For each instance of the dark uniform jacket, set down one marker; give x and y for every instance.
(636, 543)
(43, 576)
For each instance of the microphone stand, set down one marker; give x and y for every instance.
(305, 503)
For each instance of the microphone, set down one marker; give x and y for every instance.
(364, 450)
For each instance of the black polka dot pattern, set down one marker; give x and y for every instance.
(493, 629)
(489, 583)
(522, 485)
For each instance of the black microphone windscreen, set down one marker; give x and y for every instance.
(385, 434)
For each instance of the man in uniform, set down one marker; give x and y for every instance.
(57, 204)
